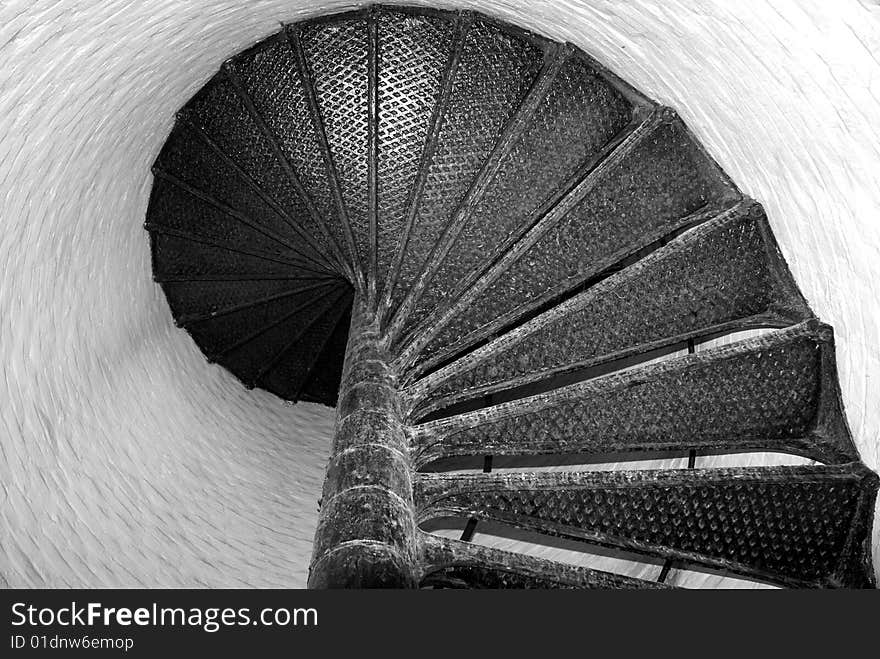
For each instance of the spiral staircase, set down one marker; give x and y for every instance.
(472, 241)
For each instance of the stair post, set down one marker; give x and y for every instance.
(366, 535)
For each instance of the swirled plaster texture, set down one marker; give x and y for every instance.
(127, 460)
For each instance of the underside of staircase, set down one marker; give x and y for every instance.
(475, 242)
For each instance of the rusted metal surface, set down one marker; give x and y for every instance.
(777, 392)
(366, 533)
(455, 564)
(494, 70)
(725, 275)
(415, 52)
(573, 116)
(783, 524)
(456, 231)
(655, 183)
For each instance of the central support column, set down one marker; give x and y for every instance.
(366, 535)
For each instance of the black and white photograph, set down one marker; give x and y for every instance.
(309, 295)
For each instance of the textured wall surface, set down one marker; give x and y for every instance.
(127, 460)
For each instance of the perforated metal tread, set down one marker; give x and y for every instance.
(510, 224)
(775, 393)
(726, 275)
(783, 524)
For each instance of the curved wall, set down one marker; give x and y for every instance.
(127, 460)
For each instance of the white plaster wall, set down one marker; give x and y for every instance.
(127, 460)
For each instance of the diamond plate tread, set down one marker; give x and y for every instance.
(253, 355)
(294, 365)
(795, 526)
(323, 385)
(656, 183)
(337, 54)
(271, 76)
(176, 212)
(455, 564)
(775, 392)
(216, 335)
(222, 117)
(495, 72)
(580, 113)
(188, 160)
(725, 274)
(413, 55)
